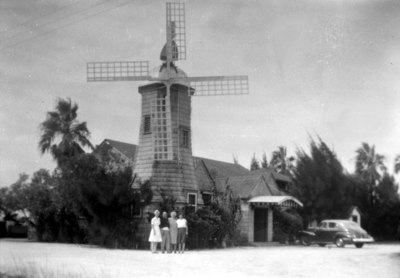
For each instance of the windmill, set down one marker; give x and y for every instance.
(165, 153)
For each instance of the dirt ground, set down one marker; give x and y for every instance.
(64, 260)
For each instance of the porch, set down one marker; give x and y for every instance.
(257, 223)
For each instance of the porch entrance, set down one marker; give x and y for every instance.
(260, 224)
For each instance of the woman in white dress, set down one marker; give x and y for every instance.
(155, 233)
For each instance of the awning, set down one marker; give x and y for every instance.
(283, 201)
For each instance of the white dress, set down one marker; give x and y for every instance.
(155, 237)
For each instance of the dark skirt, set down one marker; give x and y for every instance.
(181, 235)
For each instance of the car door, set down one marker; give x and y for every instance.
(331, 232)
(320, 232)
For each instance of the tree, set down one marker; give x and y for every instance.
(254, 164)
(387, 190)
(368, 162)
(44, 206)
(61, 125)
(321, 184)
(40, 201)
(397, 164)
(281, 163)
(13, 198)
(235, 159)
(264, 161)
(105, 199)
(386, 214)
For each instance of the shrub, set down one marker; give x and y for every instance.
(287, 224)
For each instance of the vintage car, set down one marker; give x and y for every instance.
(340, 232)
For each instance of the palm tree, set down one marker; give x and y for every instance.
(61, 125)
(367, 164)
(281, 163)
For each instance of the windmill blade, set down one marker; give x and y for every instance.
(117, 71)
(219, 85)
(176, 32)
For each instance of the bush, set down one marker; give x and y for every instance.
(287, 224)
(204, 229)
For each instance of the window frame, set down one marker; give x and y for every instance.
(195, 200)
(133, 211)
(184, 137)
(209, 194)
(147, 123)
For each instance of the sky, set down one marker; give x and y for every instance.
(316, 68)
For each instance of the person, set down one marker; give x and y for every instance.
(165, 235)
(183, 231)
(155, 234)
(173, 230)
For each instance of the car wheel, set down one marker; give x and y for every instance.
(339, 242)
(305, 241)
(322, 244)
(359, 245)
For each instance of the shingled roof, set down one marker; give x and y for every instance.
(224, 169)
(250, 185)
(276, 175)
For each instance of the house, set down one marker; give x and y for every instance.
(258, 190)
(354, 214)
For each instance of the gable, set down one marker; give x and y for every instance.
(127, 151)
(261, 189)
(116, 154)
(272, 186)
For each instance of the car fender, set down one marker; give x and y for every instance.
(307, 233)
(342, 234)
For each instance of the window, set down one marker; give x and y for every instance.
(354, 218)
(323, 225)
(207, 198)
(136, 209)
(332, 225)
(147, 124)
(185, 138)
(192, 200)
(161, 128)
(282, 186)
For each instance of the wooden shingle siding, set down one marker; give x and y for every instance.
(176, 175)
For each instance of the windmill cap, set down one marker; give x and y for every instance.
(160, 73)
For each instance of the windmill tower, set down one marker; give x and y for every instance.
(165, 150)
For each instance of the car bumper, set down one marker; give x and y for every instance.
(349, 240)
(363, 240)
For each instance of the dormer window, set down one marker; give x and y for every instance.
(282, 186)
